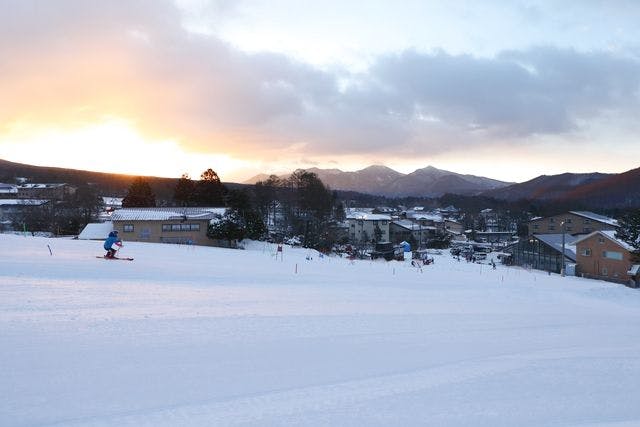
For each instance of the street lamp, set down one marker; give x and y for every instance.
(563, 261)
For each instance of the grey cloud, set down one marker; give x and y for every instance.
(196, 86)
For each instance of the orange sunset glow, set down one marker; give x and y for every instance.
(163, 88)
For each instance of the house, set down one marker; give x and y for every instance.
(409, 231)
(111, 203)
(453, 227)
(573, 222)
(368, 227)
(543, 252)
(601, 255)
(167, 225)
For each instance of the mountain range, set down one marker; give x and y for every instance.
(589, 190)
(384, 181)
(575, 190)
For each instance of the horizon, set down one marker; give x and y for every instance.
(504, 91)
(249, 179)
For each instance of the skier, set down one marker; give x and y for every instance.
(112, 240)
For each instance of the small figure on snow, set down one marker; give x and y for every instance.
(112, 240)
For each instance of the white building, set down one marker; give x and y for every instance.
(366, 227)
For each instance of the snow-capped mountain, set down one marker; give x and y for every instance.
(381, 180)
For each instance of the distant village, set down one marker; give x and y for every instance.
(577, 242)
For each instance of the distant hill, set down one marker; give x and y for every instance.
(109, 184)
(545, 187)
(597, 190)
(384, 181)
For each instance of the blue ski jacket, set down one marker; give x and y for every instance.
(113, 238)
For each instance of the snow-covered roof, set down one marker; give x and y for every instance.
(112, 201)
(425, 216)
(635, 268)
(96, 231)
(410, 225)
(30, 186)
(166, 214)
(555, 241)
(609, 234)
(8, 188)
(596, 217)
(22, 202)
(366, 216)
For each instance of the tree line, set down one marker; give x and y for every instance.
(300, 205)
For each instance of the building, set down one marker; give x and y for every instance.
(8, 191)
(600, 255)
(167, 225)
(409, 231)
(45, 191)
(543, 252)
(573, 222)
(368, 227)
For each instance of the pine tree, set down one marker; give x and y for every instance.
(185, 191)
(629, 232)
(209, 190)
(139, 195)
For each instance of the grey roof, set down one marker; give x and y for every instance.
(166, 214)
(555, 241)
(596, 217)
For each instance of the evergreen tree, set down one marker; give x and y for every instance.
(209, 190)
(139, 195)
(249, 219)
(185, 191)
(629, 231)
(228, 228)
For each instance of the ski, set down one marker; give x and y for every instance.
(115, 258)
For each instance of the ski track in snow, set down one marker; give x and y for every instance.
(187, 336)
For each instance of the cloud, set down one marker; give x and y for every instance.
(71, 62)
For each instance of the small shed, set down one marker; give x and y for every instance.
(96, 231)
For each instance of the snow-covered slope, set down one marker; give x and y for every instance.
(195, 336)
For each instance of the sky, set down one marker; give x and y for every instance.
(504, 89)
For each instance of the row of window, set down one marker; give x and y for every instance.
(180, 227)
(605, 254)
(567, 228)
(569, 220)
(128, 228)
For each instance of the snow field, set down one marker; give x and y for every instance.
(197, 336)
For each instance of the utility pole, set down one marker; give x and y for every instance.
(562, 271)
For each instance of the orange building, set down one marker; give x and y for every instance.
(600, 255)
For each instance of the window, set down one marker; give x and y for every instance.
(585, 252)
(601, 240)
(552, 220)
(612, 255)
(552, 227)
(587, 221)
(180, 227)
(586, 230)
(605, 272)
(127, 228)
(567, 221)
(536, 226)
(568, 228)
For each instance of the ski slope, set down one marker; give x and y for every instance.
(197, 336)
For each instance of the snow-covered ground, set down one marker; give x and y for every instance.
(196, 336)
